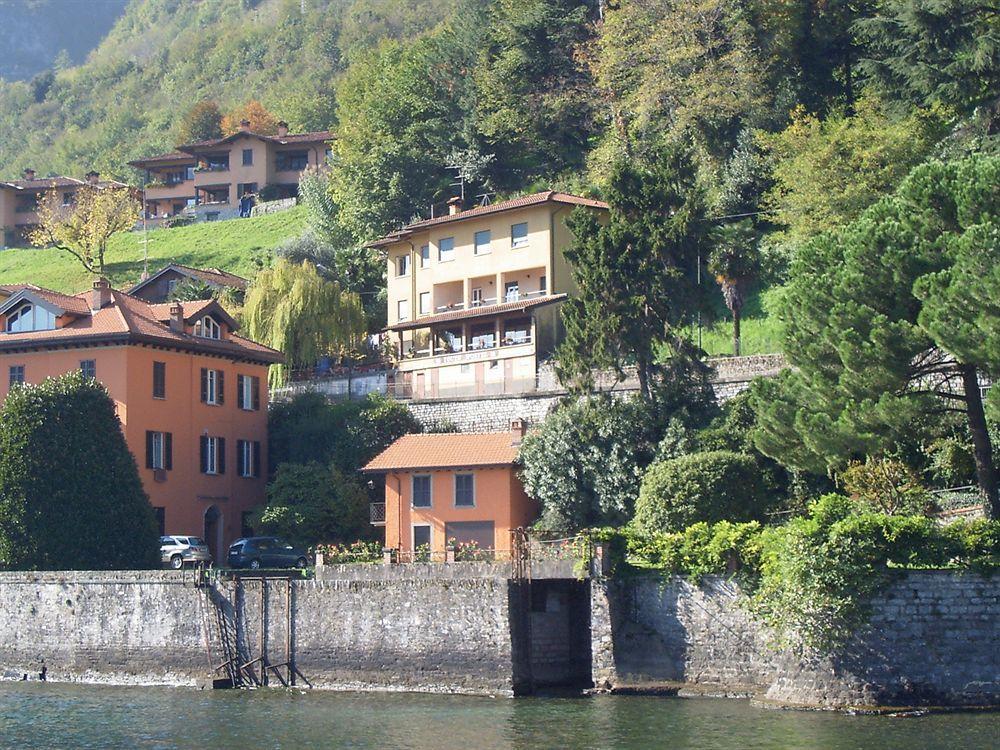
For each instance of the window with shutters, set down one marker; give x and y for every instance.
(212, 387)
(213, 455)
(159, 450)
(248, 458)
(16, 374)
(465, 491)
(159, 380)
(88, 367)
(248, 392)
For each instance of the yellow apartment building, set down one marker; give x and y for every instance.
(209, 177)
(473, 295)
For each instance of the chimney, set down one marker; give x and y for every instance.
(93, 177)
(517, 429)
(455, 206)
(100, 297)
(282, 129)
(29, 173)
(177, 317)
(245, 126)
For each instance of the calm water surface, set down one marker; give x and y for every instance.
(37, 715)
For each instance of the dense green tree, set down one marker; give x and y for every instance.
(636, 272)
(291, 308)
(81, 507)
(533, 93)
(202, 122)
(937, 52)
(710, 487)
(313, 504)
(827, 171)
(735, 263)
(308, 428)
(584, 463)
(882, 321)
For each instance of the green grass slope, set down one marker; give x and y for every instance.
(760, 328)
(230, 245)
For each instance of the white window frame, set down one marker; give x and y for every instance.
(402, 265)
(402, 310)
(208, 328)
(476, 245)
(30, 317)
(93, 367)
(246, 395)
(425, 256)
(20, 370)
(246, 459)
(455, 486)
(450, 251)
(212, 387)
(158, 456)
(518, 242)
(477, 296)
(507, 288)
(430, 491)
(424, 297)
(212, 456)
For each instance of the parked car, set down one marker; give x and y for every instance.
(266, 552)
(176, 551)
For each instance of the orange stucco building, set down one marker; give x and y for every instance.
(453, 486)
(190, 392)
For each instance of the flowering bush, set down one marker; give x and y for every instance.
(355, 552)
(470, 551)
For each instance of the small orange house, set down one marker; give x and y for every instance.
(190, 392)
(453, 486)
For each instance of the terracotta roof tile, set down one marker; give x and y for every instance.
(446, 450)
(170, 156)
(317, 136)
(535, 199)
(477, 312)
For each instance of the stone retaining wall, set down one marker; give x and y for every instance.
(932, 641)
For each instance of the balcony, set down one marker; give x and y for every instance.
(376, 512)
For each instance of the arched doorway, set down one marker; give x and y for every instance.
(213, 533)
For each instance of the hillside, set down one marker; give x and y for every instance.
(38, 35)
(230, 245)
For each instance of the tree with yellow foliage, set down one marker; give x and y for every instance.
(82, 228)
(261, 120)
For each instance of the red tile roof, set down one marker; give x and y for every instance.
(43, 183)
(170, 156)
(524, 201)
(477, 312)
(446, 450)
(128, 320)
(318, 136)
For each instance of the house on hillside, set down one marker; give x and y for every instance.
(452, 487)
(209, 177)
(474, 295)
(19, 201)
(160, 286)
(191, 394)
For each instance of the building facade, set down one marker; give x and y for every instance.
(208, 178)
(190, 392)
(19, 201)
(473, 295)
(452, 488)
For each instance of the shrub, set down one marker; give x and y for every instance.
(886, 485)
(312, 504)
(584, 463)
(70, 493)
(711, 486)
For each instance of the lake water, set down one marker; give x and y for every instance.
(49, 715)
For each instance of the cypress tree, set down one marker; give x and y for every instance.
(70, 493)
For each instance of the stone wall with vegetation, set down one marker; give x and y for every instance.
(931, 641)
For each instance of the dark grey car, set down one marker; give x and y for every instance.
(266, 552)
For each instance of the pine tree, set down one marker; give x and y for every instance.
(891, 320)
(636, 272)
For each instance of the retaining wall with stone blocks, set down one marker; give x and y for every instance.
(932, 641)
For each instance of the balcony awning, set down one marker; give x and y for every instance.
(485, 311)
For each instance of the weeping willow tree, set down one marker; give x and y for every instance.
(291, 308)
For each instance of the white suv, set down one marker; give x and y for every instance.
(175, 551)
